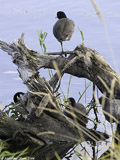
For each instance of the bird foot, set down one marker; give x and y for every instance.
(64, 53)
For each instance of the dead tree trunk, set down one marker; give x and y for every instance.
(44, 121)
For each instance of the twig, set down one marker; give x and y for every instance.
(60, 53)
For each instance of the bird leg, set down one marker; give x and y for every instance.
(62, 48)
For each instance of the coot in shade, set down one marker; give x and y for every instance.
(77, 106)
(111, 108)
(16, 97)
(63, 28)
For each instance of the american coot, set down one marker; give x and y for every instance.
(63, 28)
(16, 97)
(78, 109)
(111, 108)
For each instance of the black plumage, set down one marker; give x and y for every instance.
(16, 97)
(76, 111)
(111, 108)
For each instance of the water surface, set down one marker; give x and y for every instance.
(29, 17)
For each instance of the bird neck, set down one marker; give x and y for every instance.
(62, 17)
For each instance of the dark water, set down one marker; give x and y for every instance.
(30, 17)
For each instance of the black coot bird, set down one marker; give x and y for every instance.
(111, 109)
(78, 109)
(63, 28)
(17, 96)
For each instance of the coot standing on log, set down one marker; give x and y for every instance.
(78, 109)
(63, 28)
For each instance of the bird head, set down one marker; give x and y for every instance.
(61, 15)
(71, 101)
(16, 97)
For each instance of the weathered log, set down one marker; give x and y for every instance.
(48, 134)
(44, 121)
(82, 62)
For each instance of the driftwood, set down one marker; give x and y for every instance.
(41, 120)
